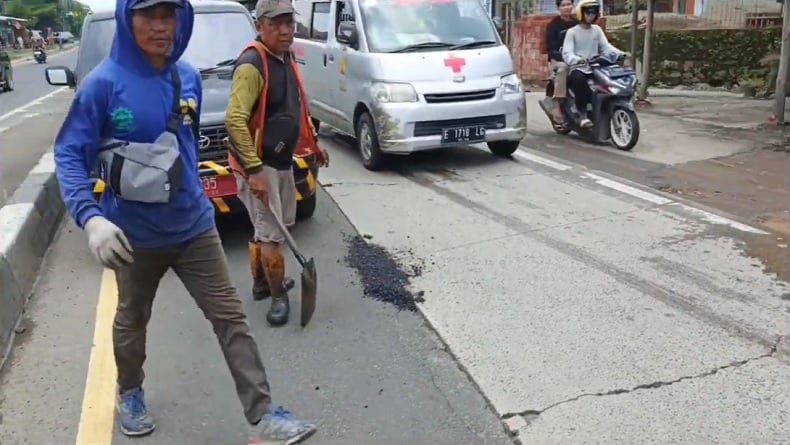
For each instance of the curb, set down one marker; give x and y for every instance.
(29, 221)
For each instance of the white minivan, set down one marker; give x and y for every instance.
(408, 75)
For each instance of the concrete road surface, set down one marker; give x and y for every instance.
(588, 310)
(364, 371)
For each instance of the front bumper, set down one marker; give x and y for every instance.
(305, 176)
(405, 128)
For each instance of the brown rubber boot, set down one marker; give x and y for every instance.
(274, 268)
(260, 286)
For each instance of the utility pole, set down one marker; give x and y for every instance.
(784, 67)
(642, 93)
(634, 29)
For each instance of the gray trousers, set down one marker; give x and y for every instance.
(203, 269)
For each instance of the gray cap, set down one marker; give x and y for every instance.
(142, 4)
(273, 8)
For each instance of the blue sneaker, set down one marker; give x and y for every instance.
(133, 415)
(278, 427)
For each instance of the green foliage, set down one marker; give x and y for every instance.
(46, 13)
(716, 57)
(18, 9)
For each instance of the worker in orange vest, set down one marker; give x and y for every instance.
(266, 127)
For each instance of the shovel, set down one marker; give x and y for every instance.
(309, 276)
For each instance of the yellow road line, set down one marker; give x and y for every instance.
(98, 402)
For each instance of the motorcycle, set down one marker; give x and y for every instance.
(40, 56)
(613, 116)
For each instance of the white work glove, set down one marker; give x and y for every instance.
(108, 243)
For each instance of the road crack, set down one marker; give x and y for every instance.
(355, 183)
(530, 414)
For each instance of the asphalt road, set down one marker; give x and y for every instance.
(366, 372)
(30, 83)
(30, 117)
(29, 134)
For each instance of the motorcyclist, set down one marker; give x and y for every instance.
(555, 35)
(39, 46)
(582, 43)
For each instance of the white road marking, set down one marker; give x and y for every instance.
(716, 219)
(541, 160)
(3, 129)
(29, 115)
(660, 200)
(24, 107)
(627, 189)
(641, 194)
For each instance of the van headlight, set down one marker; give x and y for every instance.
(511, 84)
(393, 92)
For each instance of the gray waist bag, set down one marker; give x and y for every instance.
(142, 171)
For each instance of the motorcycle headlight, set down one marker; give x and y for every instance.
(393, 92)
(617, 86)
(510, 84)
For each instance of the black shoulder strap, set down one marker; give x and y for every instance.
(175, 113)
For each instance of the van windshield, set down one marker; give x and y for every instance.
(216, 37)
(426, 25)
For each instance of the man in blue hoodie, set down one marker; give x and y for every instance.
(130, 97)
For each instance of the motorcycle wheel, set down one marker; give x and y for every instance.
(624, 129)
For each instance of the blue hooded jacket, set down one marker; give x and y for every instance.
(125, 98)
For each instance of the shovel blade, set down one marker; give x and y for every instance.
(309, 291)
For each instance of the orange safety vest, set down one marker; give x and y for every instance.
(306, 145)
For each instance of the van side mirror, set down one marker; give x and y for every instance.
(60, 76)
(498, 23)
(347, 34)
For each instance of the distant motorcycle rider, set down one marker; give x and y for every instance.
(582, 43)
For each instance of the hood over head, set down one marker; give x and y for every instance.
(125, 50)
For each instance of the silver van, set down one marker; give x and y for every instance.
(408, 75)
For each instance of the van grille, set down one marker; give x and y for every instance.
(466, 96)
(215, 148)
(434, 128)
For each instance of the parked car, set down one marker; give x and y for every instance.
(6, 72)
(221, 31)
(63, 36)
(403, 76)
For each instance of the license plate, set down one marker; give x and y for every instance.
(218, 186)
(474, 133)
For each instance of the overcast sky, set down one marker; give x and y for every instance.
(98, 5)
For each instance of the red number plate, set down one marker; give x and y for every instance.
(219, 186)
